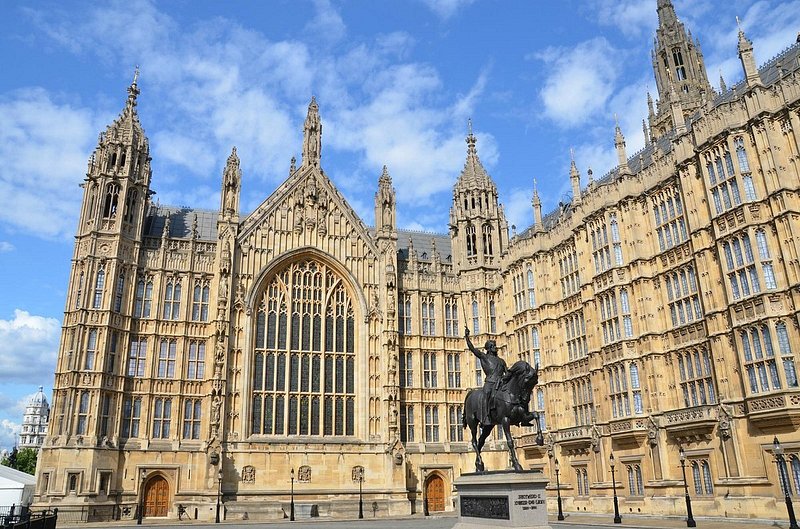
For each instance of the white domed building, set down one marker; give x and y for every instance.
(34, 423)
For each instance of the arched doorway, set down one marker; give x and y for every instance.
(156, 497)
(434, 494)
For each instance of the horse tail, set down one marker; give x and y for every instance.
(464, 411)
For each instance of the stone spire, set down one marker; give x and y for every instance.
(312, 136)
(747, 58)
(645, 133)
(118, 173)
(679, 70)
(385, 205)
(537, 207)
(619, 144)
(478, 228)
(575, 179)
(666, 13)
(231, 185)
(474, 174)
(722, 86)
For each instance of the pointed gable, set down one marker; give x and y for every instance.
(307, 205)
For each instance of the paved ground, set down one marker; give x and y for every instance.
(575, 521)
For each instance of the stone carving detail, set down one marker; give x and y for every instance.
(304, 474)
(724, 423)
(311, 206)
(492, 507)
(358, 473)
(769, 403)
(249, 474)
(652, 433)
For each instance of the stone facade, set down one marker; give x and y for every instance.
(297, 347)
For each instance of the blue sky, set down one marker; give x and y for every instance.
(396, 83)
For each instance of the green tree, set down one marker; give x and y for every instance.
(23, 460)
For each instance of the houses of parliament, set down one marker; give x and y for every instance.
(295, 350)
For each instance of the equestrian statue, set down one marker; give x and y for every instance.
(503, 400)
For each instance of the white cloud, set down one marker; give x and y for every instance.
(633, 18)
(446, 8)
(518, 207)
(28, 348)
(217, 84)
(6, 246)
(44, 145)
(327, 23)
(8, 433)
(579, 80)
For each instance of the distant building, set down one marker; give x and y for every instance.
(34, 423)
(295, 348)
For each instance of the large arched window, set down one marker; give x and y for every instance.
(304, 361)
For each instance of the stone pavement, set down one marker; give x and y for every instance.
(447, 521)
(633, 521)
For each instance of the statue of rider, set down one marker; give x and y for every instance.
(494, 369)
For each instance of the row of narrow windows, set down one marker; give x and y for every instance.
(143, 296)
(109, 202)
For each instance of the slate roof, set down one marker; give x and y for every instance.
(180, 222)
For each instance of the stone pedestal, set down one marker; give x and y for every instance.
(502, 499)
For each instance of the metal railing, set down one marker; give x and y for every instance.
(19, 517)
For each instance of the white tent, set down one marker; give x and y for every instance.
(16, 488)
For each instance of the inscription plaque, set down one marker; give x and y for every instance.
(492, 507)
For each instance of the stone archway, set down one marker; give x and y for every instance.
(434, 494)
(156, 497)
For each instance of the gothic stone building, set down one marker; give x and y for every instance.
(297, 346)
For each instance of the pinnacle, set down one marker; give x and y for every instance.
(473, 174)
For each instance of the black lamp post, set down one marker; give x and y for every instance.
(140, 512)
(777, 449)
(219, 493)
(617, 517)
(291, 501)
(558, 494)
(360, 494)
(689, 518)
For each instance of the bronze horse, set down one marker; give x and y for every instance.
(510, 406)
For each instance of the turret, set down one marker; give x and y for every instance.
(537, 208)
(231, 188)
(575, 181)
(116, 189)
(477, 223)
(385, 206)
(748, 60)
(679, 70)
(312, 136)
(622, 157)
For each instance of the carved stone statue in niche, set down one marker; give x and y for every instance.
(219, 358)
(223, 289)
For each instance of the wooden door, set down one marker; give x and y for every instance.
(434, 494)
(156, 497)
